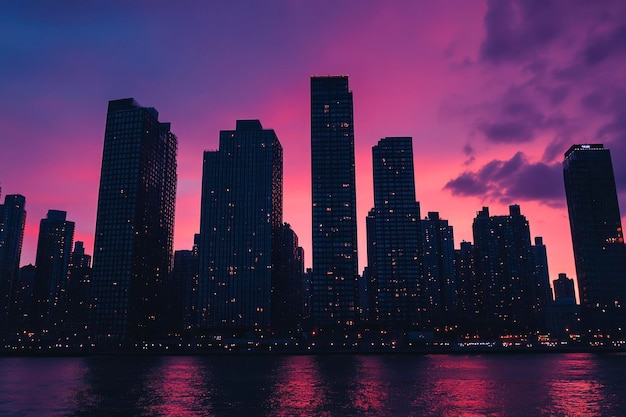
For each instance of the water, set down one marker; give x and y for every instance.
(341, 385)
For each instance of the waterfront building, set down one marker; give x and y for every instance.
(439, 289)
(467, 287)
(335, 285)
(54, 246)
(597, 237)
(184, 288)
(12, 221)
(240, 229)
(134, 224)
(393, 236)
(288, 286)
(506, 294)
(76, 307)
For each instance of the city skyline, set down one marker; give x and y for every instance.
(491, 108)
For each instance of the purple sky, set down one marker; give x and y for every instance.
(492, 93)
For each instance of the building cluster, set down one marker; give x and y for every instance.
(244, 278)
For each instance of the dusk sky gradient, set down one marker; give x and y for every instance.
(492, 92)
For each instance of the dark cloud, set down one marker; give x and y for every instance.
(507, 132)
(512, 180)
(516, 28)
(513, 118)
(603, 47)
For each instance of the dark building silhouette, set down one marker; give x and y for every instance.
(185, 287)
(597, 237)
(288, 286)
(77, 299)
(506, 297)
(134, 225)
(467, 287)
(54, 246)
(564, 288)
(21, 305)
(240, 229)
(12, 221)
(540, 255)
(439, 292)
(393, 236)
(335, 285)
(563, 313)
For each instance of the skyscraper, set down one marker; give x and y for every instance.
(439, 291)
(240, 228)
(597, 237)
(506, 294)
(12, 221)
(79, 277)
(54, 246)
(335, 264)
(394, 236)
(134, 224)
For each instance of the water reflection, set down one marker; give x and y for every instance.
(436, 385)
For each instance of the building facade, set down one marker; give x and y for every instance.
(335, 280)
(134, 224)
(507, 291)
(393, 236)
(54, 247)
(597, 237)
(12, 221)
(240, 229)
(439, 290)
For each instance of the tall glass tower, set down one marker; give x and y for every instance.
(54, 246)
(597, 236)
(134, 224)
(240, 224)
(335, 264)
(393, 236)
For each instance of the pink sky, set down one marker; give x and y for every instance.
(492, 93)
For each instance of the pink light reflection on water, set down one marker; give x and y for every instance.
(178, 388)
(575, 390)
(298, 389)
(370, 393)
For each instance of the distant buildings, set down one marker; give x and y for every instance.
(506, 291)
(439, 282)
(393, 236)
(335, 281)
(240, 229)
(134, 224)
(244, 278)
(597, 237)
(54, 246)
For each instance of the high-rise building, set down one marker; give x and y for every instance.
(393, 235)
(240, 228)
(54, 246)
(540, 255)
(335, 284)
(184, 287)
(439, 292)
(467, 286)
(134, 225)
(77, 299)
(288, 286)
(564, 288)
(12, 221)
(506, 297)
(597, 237)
